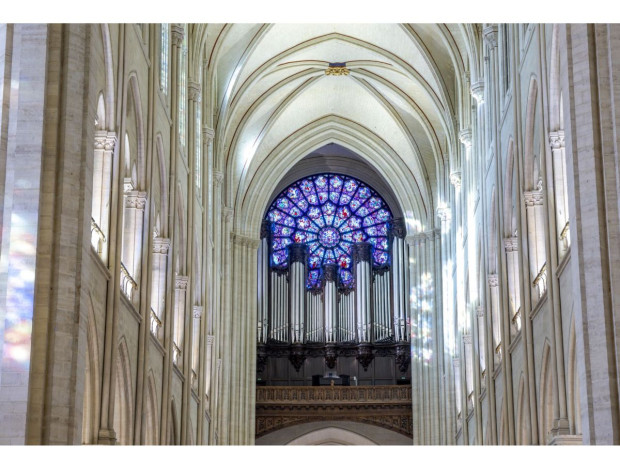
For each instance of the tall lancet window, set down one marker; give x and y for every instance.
(183, 91)
(163, 58)
(329, 213)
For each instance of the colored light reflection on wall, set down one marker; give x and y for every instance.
(20, 295)
(422, 304)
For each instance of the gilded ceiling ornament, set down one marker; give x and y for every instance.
(337, 69)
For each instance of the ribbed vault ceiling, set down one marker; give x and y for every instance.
(402, 93)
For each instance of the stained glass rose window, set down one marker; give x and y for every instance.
(329, 212)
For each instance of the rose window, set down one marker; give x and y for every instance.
(329, 213)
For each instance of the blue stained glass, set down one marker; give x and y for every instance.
(329, 213)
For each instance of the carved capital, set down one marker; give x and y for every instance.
(493, 280)
(161, 245)
(105, 140)
(511, 244)
(361, 252)
(330, 272)
(465, 137)
(210, 340)
(477, 91)
(197, 311)
(444, 213)
(331, 356)
(398, 228)
(135, 199)
(218, 177)
(227, 214)
(208, 133)
(365, 355)
(479, 311)
(532, 198)
(556, 139)
(193, 91)
(176, 34)
(403, 357)
(180, 282)
(455, 179)
(467, 338)
(456, 362)
(297, 253)
(297, 356)
(490, 35)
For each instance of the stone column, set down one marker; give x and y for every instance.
(556, 140)
(511, 246)
(297, 290)
(180, 289)
(105, 143)
(535, 212)
(493, 282)
(161, 246)
(135, 201)
(197, 314)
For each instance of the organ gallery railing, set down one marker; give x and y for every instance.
(385, 406)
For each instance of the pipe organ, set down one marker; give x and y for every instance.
(371, 311)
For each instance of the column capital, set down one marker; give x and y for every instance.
(210, 340)
(361, 252)
(105, 140)
(181, 282)
(297, 253)
(218, 177)
(534, 197)
(208, 133)
(444, 213)
(135, 199)
(477, 91)
(493, 280)
(177, 32)
(467, 339)
(455, 179)
(193, 91)
(398, 228)
(489, 33)
(161, 245)
(228, 213)
(556, 139)
(479, 311)
(511, 244)
(456, 362)
(465, 137)
(197, 311)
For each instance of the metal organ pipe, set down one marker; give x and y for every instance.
(297, 279)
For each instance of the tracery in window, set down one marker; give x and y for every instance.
(329, 213)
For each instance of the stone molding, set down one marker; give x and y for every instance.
(197, 311)
(135, 199)
(493, 280)
(533, 198)
(245, 240)
(181, 282)
(161, 245)
(422, 237)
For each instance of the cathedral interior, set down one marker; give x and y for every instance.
(327, 234)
